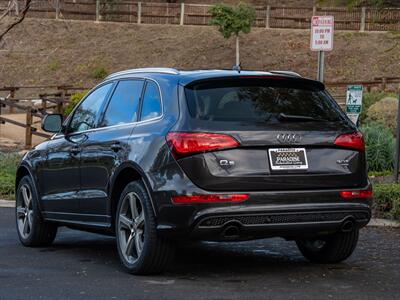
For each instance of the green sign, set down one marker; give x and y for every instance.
(354, 99)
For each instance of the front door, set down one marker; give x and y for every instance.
(62, 176)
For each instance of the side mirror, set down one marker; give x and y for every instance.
(52, 123)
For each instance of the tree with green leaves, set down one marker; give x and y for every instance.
(233, 20)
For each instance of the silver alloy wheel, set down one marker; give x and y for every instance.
(131, 227)
(24, 211)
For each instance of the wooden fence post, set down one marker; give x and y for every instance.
(61, 102)
(12, 96)
(182, 13)
(139, 12)
(97, 10)
(362, 24)
(28, 129)
(57, 9)
(267, 16)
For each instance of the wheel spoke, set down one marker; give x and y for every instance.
(133, 206)
(27, 198)
(140, 220)
(130, 245)
(125, 221)
(21, 212)
(26, 226)
(29, 216)
(138, 241)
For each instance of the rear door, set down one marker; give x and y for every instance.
(286, 129)
(106, 147)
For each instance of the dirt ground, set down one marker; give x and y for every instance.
(42, 51)
(13, 137)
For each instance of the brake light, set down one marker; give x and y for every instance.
(186, 143)
(213, 198)
(356, 194)
(353, 140)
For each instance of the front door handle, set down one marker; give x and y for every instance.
(116, 147)
(75, 150)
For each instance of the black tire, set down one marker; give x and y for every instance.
(35, 231)
(332, 248)
(156, 252)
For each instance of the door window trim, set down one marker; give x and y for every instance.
(106, 99)
(114, 81)
(142, 101)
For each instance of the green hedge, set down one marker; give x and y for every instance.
(8, 168)
(387, 200)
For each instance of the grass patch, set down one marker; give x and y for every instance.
(387, 201)
(99, 72)
(8, 168)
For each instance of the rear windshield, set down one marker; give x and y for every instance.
(255, 100)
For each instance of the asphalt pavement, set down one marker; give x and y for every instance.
(82, 265)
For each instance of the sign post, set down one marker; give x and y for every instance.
(354, 102)
(321, 40)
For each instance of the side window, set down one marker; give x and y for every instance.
(151, 107)
(86, 115)
(124, 103)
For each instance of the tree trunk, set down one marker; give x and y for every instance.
(237, 51)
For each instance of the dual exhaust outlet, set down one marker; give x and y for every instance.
(232, 230)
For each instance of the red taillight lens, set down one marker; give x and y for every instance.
(185, 199)
(351, 140)
(186, 143)
(356, 194)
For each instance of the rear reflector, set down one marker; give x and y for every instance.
(356, 194)
(209, 198)
(187, 143)
(353, 140)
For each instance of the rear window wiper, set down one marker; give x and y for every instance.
(282, 116)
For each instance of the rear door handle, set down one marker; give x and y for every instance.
(75, 150)
(116, 147)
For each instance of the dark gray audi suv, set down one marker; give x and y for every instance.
(160, 156)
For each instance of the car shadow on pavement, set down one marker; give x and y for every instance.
(197, 258)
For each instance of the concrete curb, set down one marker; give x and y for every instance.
(7, 203)
(374, 222)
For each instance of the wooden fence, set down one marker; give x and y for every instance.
(361, 18)
(48, 102)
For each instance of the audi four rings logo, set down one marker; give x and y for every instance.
(288, 138)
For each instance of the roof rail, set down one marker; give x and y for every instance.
(145, 70)
(291, 73)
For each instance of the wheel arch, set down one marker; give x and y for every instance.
(126, 173)
(22, 171)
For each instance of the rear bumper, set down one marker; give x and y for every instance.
(265, 214)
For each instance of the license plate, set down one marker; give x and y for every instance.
(288, 159)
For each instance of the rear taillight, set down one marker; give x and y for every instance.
(356, 194)
(212, 198)
(353, 140)
(187, 143)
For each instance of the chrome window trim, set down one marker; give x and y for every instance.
(124, 124)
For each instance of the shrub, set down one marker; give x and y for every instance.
(8, 168)
(384, 112)
(370, 99)
(74, 100)
(99, 72)
(387, 200)
(380, 147)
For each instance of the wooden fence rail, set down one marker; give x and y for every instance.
(360, 18)
(58, 98)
